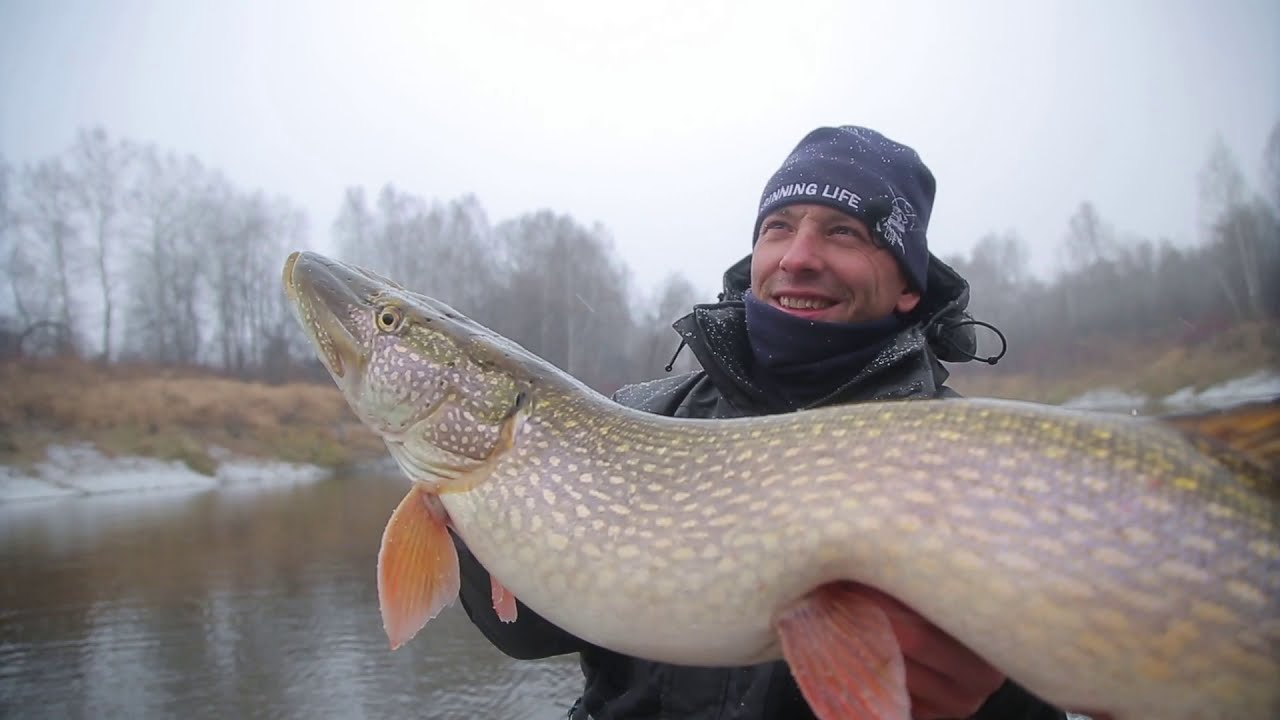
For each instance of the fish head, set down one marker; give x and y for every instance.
(398, 357)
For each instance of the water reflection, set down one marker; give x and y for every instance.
(234, 604)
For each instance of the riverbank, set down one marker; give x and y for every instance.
(70, 427)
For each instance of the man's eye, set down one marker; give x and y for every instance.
(843, 230)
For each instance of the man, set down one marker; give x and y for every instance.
(840, 301)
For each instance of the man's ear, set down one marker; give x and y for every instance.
(907, 301)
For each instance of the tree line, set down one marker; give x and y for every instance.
(1110, 285)
(123, 252)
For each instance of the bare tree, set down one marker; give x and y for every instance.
(1271, 168)
(655, 342)
(567, 297)
(100, 171)
(167, 209)
(48, 217)
(1229, 223)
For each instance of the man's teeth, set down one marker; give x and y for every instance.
(795, 303)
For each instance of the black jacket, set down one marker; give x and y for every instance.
(619, 686)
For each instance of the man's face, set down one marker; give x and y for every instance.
(818, 263)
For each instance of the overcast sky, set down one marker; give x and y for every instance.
(662, 120)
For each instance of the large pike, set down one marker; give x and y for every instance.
(1122, 564)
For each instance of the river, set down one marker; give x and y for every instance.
(244, 602)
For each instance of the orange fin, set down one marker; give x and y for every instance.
(504, 603)
(1251, 429)
(418, 572)
(844, 655)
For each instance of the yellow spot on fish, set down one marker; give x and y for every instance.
(1093, 483)
(1183, 571)
(1246, 592)
(549, 496)
(919, 496)
(909, 522)
(663, 521)
(626, 552)
(1219, 510)
(1016, 561)
(535, 523)
(1157, 504)
(1154, 669)
(1035, 484)
(583, 511)
(1138, 536)
(557, 541)
(1199, 542)
(1079, 512)
(620, 509)
(1049, 545)
(1178, 639)
(1213, 612)
(1011, 517)
(1265, 549)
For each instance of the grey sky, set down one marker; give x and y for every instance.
(662, 120)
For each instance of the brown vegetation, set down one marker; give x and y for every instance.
(174, 413)
(1154, 366)
(181, 413)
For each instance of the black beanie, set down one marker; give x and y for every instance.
(868, 176)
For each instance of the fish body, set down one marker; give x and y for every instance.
(1101, 561)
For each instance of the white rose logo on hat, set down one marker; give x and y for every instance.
(897, 223)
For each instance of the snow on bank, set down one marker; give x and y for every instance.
(80, 469)
(1262, 385)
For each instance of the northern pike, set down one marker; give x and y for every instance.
(1123, 564)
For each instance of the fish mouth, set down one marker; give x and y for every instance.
(328, 298)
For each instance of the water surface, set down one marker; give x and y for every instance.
(234, 602)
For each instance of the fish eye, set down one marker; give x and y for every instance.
(389, 318)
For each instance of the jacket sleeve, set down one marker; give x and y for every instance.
(1012, 702)
(530, 637)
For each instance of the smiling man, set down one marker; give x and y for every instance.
(840, 301)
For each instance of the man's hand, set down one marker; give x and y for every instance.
(945, 679)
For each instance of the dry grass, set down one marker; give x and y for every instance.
(1152, 368)
(174, 414)
(180, 413)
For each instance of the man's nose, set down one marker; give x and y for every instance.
(804, 252)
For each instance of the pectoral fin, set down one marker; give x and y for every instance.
(844, 655)
(504, 603)
(418, 572)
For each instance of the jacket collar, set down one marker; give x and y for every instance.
(717, 335)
